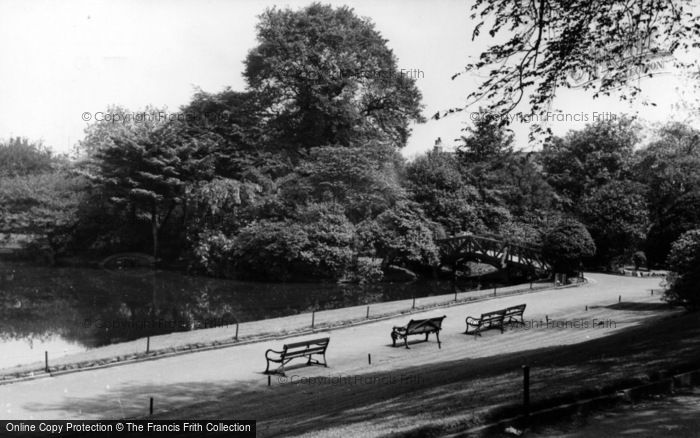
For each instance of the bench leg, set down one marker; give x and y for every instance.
(267, 368)
(426, 337)
(405, 341)
(437, 335)
(393, 340)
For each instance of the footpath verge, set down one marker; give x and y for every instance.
(387, 310)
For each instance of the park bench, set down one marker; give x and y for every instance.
(487, 321)
(514, 315)
(418, 327)
(296, 350)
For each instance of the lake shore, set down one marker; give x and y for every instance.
(225, 336)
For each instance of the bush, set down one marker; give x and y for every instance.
(639, 259)
(401, 235)
(317, 244)
(213, 254)
(567, 245)
(684, 251)
(684, 262)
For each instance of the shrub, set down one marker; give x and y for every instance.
(639, 259)
(401, 234)
(317, 244)
(565, 246)
(684, 262)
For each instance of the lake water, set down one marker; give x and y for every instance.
(68, 310)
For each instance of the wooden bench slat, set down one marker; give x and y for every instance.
(418, 327)
(296, 350)
(496, 319)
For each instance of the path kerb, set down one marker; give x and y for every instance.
(301, 325)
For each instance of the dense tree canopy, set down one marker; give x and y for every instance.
(617, 218)
(299, 176)
(21, 157)
(331, 80)
(567, 245)
(684, 262)
(583, 160)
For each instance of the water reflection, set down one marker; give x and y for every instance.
(78, 308)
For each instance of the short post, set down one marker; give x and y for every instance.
(619, 299)
(526, 389)
(652, 291)
(150, 409)
(46, 361)
(414, 303)
(148, 344)
(530, 285)
(494, 291)
(313, 318)
(455, 294)
(367, 316)
(236, 337)
(369, 358)
(546, 317)
(586, 308)
(269, 380)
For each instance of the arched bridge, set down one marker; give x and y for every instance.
(494, 250)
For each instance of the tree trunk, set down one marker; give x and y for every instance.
(154, 230)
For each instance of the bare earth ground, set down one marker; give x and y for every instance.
(424, 389)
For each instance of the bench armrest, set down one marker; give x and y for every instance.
(279, 353)
(399, 329)
(469, 318)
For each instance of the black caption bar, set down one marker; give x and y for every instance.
(132, 428)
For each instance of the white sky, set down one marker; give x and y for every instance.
(61, 59)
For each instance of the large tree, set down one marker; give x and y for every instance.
(331, 80)
(148, 171)
(435, 181)
(617, 216)
(567, 245)
(670, 167)
(584, 160)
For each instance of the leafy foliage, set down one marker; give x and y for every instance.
(684, 261)
(639, 259)
(435, 182)
(683, 215)
(331, 80)
(401, 234)
(150, 170)
(581, 161)
(670, 167)
(550, 41)
(364, 180)
(317, 245)
(567, 245)
(684, 251)
(20, 157)
(616, 215)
